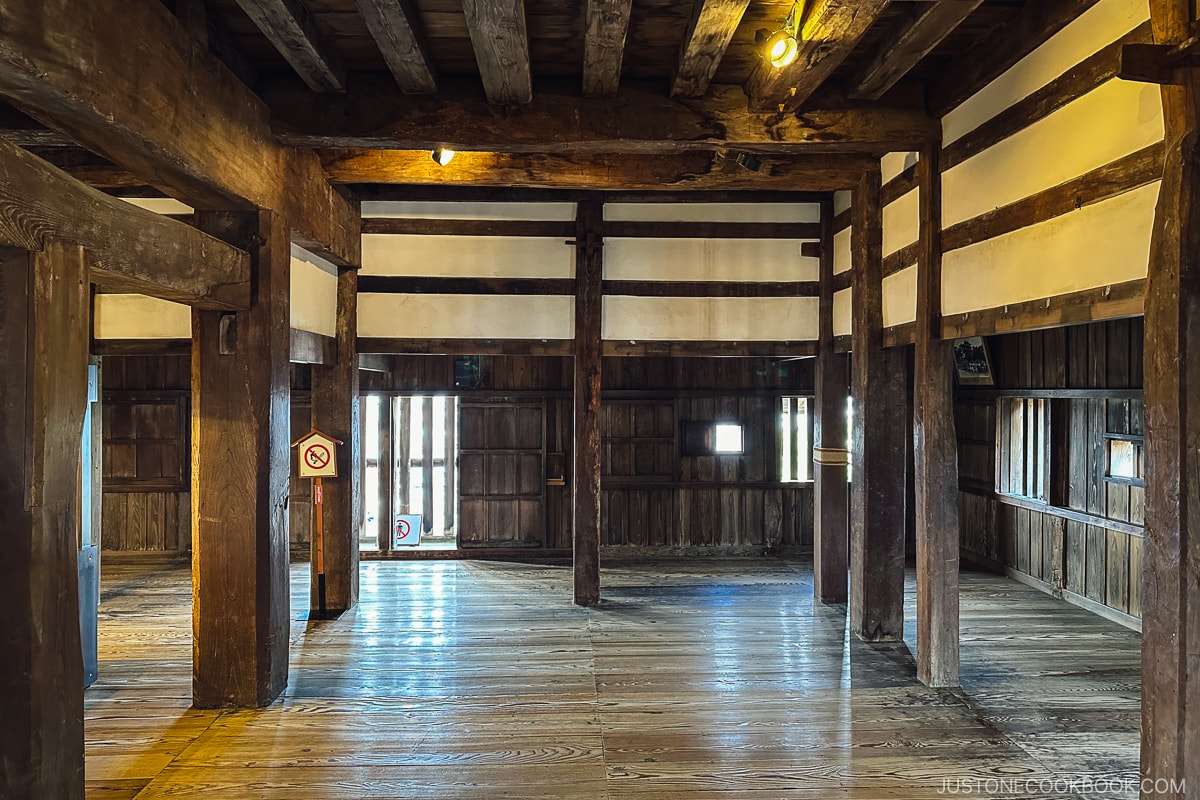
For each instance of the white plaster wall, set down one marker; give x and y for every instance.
(1109, 122)
(710, 318)
(445, 316)
(901, 222)
(544, 212)
(900, 297)
(1097, 27)
(752, 260)
(159, 205)
(135, 316)
(467, 256)
(892, 164)
(1100, 244)
(314, 293)
(841, 201)
(843, 312)
(842, 260)
(712, 212)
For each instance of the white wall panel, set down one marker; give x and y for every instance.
(135, 316)
(546, 212)
(707, 260)
(712, 212)
(1100, 244)
(901, 222)
(900, 297)
(842, 259)
(843, 312)
(467, 256)
(444, 316)
(710, 318)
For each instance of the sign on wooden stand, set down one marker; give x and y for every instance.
(318, 460)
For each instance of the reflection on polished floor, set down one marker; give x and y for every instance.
(695, 679)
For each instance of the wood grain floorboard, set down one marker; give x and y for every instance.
(693, 679)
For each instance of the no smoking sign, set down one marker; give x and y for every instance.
(318, 455)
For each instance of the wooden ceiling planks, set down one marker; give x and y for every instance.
(501, 42)
(708, 34)
(398, 34)
(604, 45)
(290, 27)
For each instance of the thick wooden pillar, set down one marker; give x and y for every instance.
(43, 357)
(935, 449)
(335, 412)
(877, 440)
(1171, 587)
(830, 457)
(589, 268)
(241, 464)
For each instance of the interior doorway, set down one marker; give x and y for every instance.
(410, 458)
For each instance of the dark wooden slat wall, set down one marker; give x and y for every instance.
(1092, 545)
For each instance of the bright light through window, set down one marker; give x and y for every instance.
(727, 437)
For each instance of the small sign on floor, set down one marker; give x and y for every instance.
(407, 530)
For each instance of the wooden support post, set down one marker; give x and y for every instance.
(935, 449)
(830, 458)
(241, 465)
(403, 430)
(589, 269)
(451, 453)
(387, 473)
(335, 412)
(1170, 600)
(877, 442)
(44, 323)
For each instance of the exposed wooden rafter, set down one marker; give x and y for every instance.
(696, 170)
(709, 31)
(894, 57)
(216, 150)
(289, 26)
(639, 120)
(128, 249)
(829, 32)
(501, 43)
(604, 45)
(397, 32)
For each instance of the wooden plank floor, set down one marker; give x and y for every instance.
(696, 679)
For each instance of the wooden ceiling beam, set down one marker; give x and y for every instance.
(397, 32)
(683, 171)
(828, 33)
(129, 249)
(501, 43)
(709, 32)
(215, 150)
(1003, 47)
(292, 30)
(638, 120)
(604, 45)
(897, 55)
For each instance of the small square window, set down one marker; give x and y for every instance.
(727, 437)
(1126, 459)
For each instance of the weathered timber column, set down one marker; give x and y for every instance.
(589, 268)
(830, 458)
(241, 464)
(44, 321)
(335, 412)
(877, 443)
(935, 448)
(1171, 586)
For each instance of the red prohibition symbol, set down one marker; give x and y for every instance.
(317, 456)
(403, 528)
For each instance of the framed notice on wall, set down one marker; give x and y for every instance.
(972, 365)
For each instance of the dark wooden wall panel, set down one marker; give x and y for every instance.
(1098, 554)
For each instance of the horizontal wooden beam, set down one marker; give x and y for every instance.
(841, 280)
(900, 335)
(417, 284)
(466, 347)
(638, 120)
(901, 259)
(129, 249)
(711, 288)
(141, 347)
(827, 34)
(215, 151)
(682, 171)
(468, 227)
(374, 362)
(288, 25)
(1106, 302)
(312, 348)
(1123, 175)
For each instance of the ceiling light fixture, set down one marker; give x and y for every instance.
(783, 45)
(442, 155)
